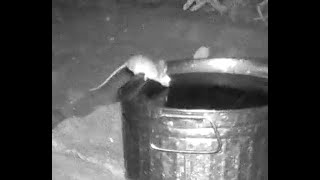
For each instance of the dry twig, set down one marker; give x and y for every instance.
(260, 8)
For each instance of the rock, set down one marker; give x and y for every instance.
(202, 53)
(66, 167)
(89, 147)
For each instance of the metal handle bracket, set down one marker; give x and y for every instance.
(217, 150)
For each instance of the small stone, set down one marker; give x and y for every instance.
(202, 53)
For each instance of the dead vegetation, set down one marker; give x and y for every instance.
(232, 8)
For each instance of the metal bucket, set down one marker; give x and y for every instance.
(212, 123)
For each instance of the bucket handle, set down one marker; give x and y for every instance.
(214, 127)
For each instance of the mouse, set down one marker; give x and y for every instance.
(140, 64)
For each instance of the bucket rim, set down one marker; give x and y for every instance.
(165, 110)
(235, 66)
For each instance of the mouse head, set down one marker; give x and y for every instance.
(163, 77)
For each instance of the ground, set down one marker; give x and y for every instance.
(90, 41)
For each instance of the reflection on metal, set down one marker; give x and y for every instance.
(217, 136)
(219, 65)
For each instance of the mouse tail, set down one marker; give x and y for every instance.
(107, 80)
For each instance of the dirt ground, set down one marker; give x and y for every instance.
(89, 42)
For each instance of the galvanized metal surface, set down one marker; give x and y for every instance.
(162, 143)
(244, 146)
